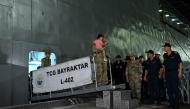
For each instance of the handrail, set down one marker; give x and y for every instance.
(188, 95)
(95, 72)
(110, 72)
(184, 86)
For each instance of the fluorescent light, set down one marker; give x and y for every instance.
(173, 19)
(178, 23)
(167, 15)
(160, 10)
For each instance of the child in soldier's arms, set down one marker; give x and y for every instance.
(99, 45)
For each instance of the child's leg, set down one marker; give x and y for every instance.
(104, 53)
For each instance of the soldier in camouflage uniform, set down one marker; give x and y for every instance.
(101, 64)
(134, 76)
(46, 61)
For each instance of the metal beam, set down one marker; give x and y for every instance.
(78, 92)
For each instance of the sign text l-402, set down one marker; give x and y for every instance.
(67, 80)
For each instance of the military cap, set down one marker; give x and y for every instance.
(167, 45)
(105, 36)
(127, 58)
(150, 51)
(118, 56)
(47, 52)
(132, 55)
(141, 56)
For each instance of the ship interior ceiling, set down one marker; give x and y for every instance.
(182, 6)
(175, 14)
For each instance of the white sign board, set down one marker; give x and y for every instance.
(63, 76)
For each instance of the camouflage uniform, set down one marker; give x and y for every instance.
(101, 64)
(46, 62)
(133, 73)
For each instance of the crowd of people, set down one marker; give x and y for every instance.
(132, 73)
(145, 79)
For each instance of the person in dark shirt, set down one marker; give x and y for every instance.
(127, 60)
(136, 58)
(119, 70)
(152, 68)
(144, 84)
(173, 71)
(108, 70)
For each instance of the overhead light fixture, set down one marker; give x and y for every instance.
(160, 10)
(167, 15)
(173, 19)
(180, 22)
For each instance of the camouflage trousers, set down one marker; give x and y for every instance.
(101, 71)
(135, 86)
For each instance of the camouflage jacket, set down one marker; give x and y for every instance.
(46, 62)
(133, 70)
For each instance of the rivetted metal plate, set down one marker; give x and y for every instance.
(99, 102)
(126, 104)
(121, 95)
(108, 99)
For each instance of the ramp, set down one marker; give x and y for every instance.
(72, 88)
(77, 92)
(75, 100)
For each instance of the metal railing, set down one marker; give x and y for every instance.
(184, 86)
(90, 88)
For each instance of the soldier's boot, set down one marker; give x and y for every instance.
(103, 83)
